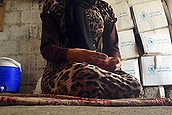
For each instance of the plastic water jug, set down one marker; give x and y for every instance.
(9, 75)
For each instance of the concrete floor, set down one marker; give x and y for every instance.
(84, 110)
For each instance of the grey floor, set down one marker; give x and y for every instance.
(84, 110)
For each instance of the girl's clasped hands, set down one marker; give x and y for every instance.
(95, 58)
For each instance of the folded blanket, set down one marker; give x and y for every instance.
(53, 99)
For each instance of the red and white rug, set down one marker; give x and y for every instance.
(53, 99)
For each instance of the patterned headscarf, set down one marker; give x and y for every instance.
(73, 21)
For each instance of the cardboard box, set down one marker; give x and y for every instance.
(156, 42)
(156, 70)
(124, 20)
(131, 67)
(127, 44)
(114, 1)
(149, 16)
(134, 2)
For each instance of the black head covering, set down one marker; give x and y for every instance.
(77, 23)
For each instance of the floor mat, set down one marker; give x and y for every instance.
(53, 99)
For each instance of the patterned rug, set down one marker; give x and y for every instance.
(52, 99)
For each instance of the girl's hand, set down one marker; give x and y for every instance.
(89, 56)
(114, 64)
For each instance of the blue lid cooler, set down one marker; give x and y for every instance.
(9, 75)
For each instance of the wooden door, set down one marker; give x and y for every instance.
(2, 13)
